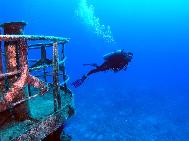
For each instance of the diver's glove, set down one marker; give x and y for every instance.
(78, 82)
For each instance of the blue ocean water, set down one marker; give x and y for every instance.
(149, 101)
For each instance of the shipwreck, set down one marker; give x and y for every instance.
(35, 100)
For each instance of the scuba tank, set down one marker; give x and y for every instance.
(113, 54)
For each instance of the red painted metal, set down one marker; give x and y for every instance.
(2, 84)
(14, 102)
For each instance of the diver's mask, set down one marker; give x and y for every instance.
(129, 56)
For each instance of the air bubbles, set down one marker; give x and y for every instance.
(86, 14)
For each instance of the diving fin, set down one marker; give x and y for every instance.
(79, 82)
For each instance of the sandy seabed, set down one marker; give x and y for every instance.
(133, 115)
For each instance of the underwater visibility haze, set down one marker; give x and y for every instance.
(148, 101)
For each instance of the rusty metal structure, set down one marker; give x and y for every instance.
(35, 100)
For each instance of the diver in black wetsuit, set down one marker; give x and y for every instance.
(114, 61)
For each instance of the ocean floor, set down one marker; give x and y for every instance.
(133, 115)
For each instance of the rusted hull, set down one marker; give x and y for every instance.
(31, 109)
(42, 129)
(2, 83)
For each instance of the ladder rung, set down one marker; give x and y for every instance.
(65, 81)
(60, 62)
(40, 67)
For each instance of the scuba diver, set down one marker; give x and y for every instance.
(114, 61)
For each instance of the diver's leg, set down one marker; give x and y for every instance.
(78, 82)
(93, 71)
(100, 68)
(93, 65)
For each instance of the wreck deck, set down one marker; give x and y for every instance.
(43, 119)
(34, 98)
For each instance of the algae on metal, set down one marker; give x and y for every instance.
(46, 104)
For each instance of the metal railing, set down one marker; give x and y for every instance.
(55, 63)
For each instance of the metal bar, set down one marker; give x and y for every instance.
(46, 44)
(43, 57)
(33, 60)
(3, 75)
(11, 59)
(45, 66)
(47, 75)
(65, 81)
(24, 100)
(2, 83)
(40, 67)
(67, 90)
(42, 75)
(57, 99)
(5, 65)
(32, 37)
(29, 90)
(63, 61)
(37, 46)
(11, 47)
(28, 98)
(43, 53)
(40, 44)
(17, 58)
